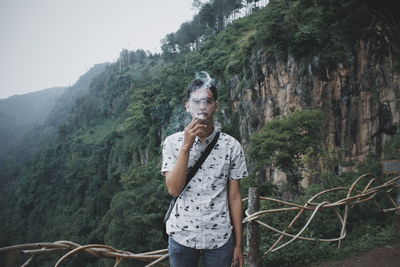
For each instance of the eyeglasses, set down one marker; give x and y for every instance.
(206, 101)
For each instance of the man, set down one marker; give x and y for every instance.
(200, 225)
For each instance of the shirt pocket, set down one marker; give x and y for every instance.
(222, 176)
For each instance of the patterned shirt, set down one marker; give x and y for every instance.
(200, 218)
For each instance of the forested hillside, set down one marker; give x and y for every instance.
(29, 122)
(19, 114)
(99, 181)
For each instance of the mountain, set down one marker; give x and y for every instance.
(32, 108)
(66, 102)
(19, 114)
(30, 121)
(99, 179)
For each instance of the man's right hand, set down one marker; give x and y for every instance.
(193, 129)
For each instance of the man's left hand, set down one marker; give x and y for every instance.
(237, 257)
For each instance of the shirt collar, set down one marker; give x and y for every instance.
(209, 138)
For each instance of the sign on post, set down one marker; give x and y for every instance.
(391, 166)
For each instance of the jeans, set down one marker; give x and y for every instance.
(181, 256)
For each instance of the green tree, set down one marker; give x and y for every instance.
(283, 141)
(392, 147)
(134, 220)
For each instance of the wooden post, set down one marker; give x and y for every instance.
(397, 220)
(253, 237)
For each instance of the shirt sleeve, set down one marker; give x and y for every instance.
(238, 167)
(168, 157)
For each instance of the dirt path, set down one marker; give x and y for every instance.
(388, 256)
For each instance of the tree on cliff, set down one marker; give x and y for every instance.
(283, 141)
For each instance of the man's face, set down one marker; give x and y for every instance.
(201, 104)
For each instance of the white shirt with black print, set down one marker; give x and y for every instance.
(200, 218)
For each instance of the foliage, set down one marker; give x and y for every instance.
(210, 19)
(392, 147)
(282, 142)
(307, 27)
(135, 215)
(32, 120)
(367, 227)
(20, 115)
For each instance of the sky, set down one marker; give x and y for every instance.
(49, 43)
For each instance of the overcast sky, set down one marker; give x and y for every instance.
(48, 43)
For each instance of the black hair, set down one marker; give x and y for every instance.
(203, 80)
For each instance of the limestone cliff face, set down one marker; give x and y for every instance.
(361, 98)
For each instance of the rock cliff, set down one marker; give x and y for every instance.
(360, 98)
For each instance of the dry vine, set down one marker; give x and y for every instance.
(361, 196)
(368, 193)
(93, 249)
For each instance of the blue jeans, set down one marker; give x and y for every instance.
(181, 256)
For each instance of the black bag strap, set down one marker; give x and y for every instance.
(200, 161)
